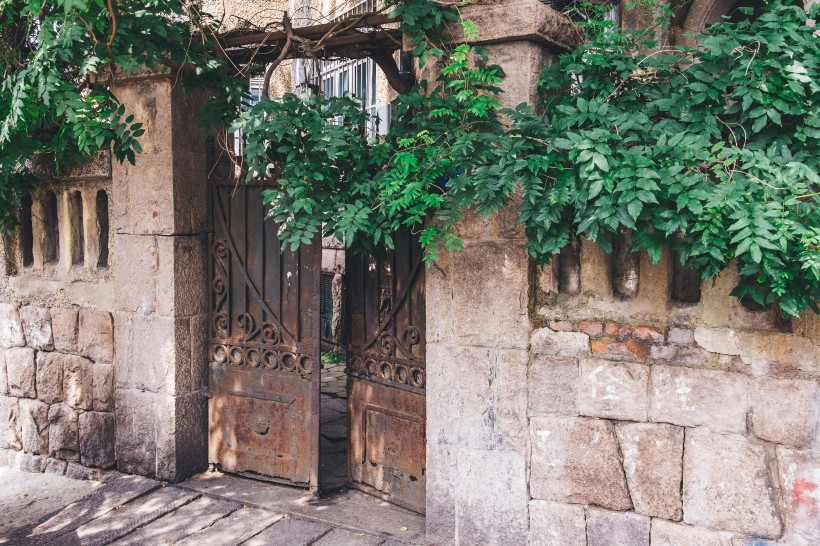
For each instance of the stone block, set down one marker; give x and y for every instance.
(62, 434)
(548, 342)
(553, 385)
(97, 439)
(182, 276)
(652, 334)
(37, 327)
(153, 354)
(653, 464)
(34, 426)
(591, 328)
(103, 387)
(727, 485)
(439, 299)
(718, 340)
(9, 423)
(32, 463)
(614, 390)
(50, 377)
(136, 272)
(577, 461)
(556, 524)
(95, 339)
(139, 415)
(800, 489)
(605, 528)
(55, 466)
(784, 411)
(11, 329)
(78, 381)
(667, 533)
(64, 325)
(504, 318)
(76, 471)
(21, 372)
(620, 350)
(491, 498)
(681, 336)
(696, 397)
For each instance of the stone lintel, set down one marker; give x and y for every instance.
(520, 20)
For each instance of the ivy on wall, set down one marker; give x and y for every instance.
(711, 151)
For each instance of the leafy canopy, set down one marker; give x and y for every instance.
(710, 151)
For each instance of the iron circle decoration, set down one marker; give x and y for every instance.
(219, 354)
(417, 377)
(305, 365)
(253, 357)
(386, 370)
(289, 362)
(237, 356)
(270, 360)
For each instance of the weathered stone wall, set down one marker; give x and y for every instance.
(651, 419)
(56, 329)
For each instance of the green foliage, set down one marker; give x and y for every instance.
(712, 151)
(58, 59)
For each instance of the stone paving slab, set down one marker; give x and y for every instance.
(118, 523)
(340, 537)
(233, 530)
(114, 493)
(181, 523)
(290, 532)
(350, 510)
(26, 498)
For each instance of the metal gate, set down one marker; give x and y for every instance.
(386, 372)
(264, 343)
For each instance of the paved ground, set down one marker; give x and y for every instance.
(26, 498)
(333, 443)
(334, 380)
(219, 510)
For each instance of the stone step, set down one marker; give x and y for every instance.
(233, 530)
(289, 532)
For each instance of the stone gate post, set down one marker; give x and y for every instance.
(160, 218)
(478, 326)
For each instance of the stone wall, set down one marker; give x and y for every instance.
(652, 420)
(56, 329)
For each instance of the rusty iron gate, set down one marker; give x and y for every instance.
(387, 373)
(264, 343)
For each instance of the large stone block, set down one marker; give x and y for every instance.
(785, 411)
(145, 424)
(153, 353)
(615, 390)
(64, 325)
(97, 439)
(50, 377)
(491, 498)
(696, 397)
(136, 272)
(37, 327)
(605, 528)
(34, 426)
(545, 341)
(11, 329)
(800, 489)
(667, 533)
(95, 339)
(504, 319)
(653, 463)
(182, 276)
(103, 387)
(62, 433)
(553, 385)
(577, 461)
(78, 382)
(9, 423)
(556, 524)
(727, 485)
(21, 372)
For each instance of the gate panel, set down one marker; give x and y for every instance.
(386, 373)
(264, 348)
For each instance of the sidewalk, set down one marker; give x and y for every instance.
(217, 509)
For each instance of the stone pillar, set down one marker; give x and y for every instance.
(478, 329)
(159, 218)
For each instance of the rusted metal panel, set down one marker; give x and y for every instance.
(387, 373)
(264, 343)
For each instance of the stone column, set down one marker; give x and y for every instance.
(478, 329)
(159, 218)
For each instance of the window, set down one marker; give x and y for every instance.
(51, 229)
(75, 219)
(101, 207)
(26, 232)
